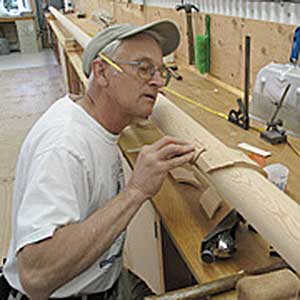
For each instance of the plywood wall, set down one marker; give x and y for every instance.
(269, 41)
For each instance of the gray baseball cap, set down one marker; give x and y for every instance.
(165, 32)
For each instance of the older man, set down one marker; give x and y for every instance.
(71, 207)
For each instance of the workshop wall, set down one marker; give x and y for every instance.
(270, 41)
(274, 11)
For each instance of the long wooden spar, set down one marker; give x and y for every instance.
(274, 215)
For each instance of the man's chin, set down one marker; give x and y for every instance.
(137, 120)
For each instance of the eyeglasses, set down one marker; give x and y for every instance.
(145, 68)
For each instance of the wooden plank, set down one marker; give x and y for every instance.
(64, 37)
(76, 62)
(81, 37)
(13, 19)
(88, 25)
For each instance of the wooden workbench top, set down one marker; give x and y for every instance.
(15, 18)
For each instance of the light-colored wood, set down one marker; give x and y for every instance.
(211, 201)
(88, 25)
(81, 37)
(76, 62)
(282, 284)
(13, 19)
(63, 36)
(186, 175)
(270, 211)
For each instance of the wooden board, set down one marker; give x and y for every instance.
(63, 36)
(87, 24)
(76, 62)
(13, 19)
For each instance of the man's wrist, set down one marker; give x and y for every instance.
(135, 195)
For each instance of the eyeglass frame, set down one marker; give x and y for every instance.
(118, 68)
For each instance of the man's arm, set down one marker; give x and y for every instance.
(49, 264)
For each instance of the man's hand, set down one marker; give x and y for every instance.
(154, 162)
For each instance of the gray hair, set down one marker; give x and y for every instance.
(109, 50)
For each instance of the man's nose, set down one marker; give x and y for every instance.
(157, 80)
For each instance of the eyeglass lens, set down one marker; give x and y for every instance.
(146, 70)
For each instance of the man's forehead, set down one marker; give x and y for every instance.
(141, 45)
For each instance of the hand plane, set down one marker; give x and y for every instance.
(220, 243)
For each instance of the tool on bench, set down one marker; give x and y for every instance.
(190, 35)
(241, 117)
(80, 15)
(172, 72)
(276, 95)
(220, 243)
(274, 134)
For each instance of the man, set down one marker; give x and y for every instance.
(71, 207)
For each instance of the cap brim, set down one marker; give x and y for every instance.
(165, 32)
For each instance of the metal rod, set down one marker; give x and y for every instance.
(247, 79)
(278, 106)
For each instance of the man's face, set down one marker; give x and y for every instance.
(134, 96)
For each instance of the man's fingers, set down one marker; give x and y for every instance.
(173, 150)
(179, 160)
(167, 140)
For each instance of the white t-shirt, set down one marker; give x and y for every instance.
(68, 167)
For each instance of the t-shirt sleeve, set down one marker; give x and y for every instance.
(56, 194)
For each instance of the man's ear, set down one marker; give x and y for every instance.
(100, 71)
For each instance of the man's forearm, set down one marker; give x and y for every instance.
(46, 266)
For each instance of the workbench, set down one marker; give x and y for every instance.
(26, 32)
(183, 222)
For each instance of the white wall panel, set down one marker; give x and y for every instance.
(284, 12)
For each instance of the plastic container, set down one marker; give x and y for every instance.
(278, 174)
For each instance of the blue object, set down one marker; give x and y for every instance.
(295, 47)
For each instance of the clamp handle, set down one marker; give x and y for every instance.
(187, 7)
